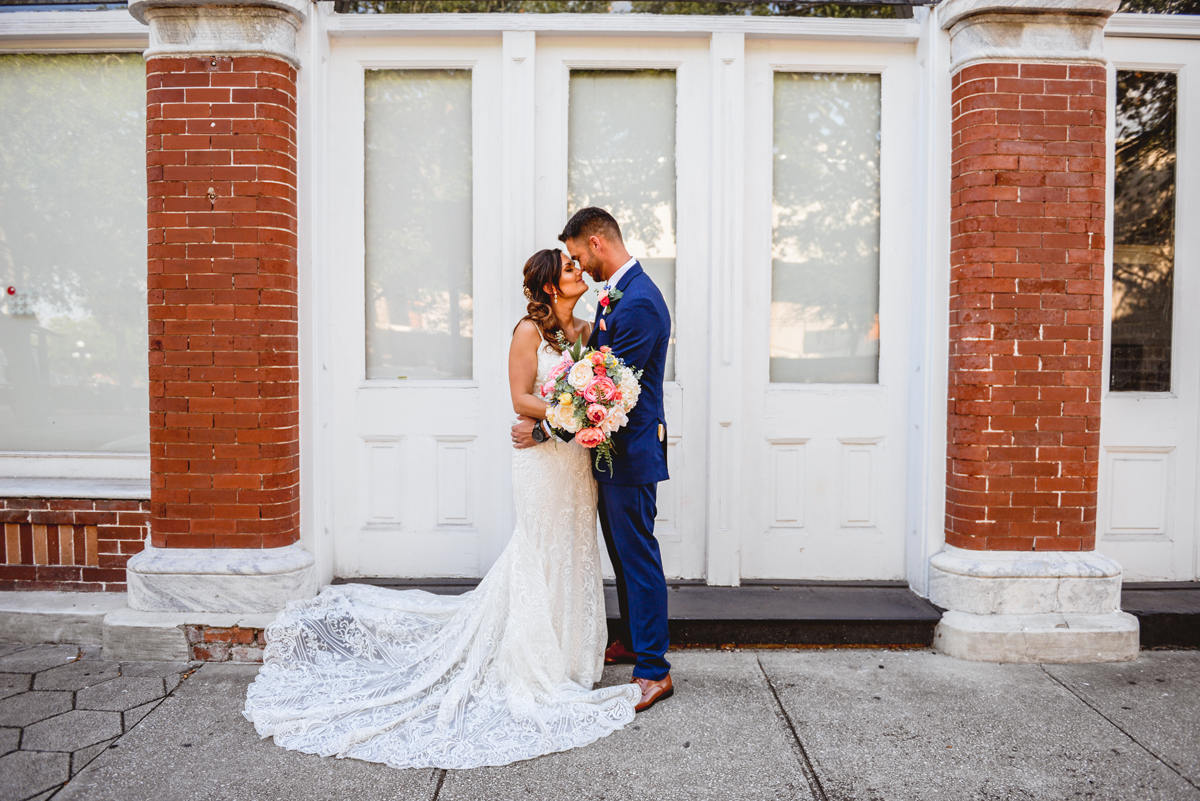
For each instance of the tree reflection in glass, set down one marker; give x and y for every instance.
(621, 157)
(418, 224)
(1143, 232)
(73, 368)
(825, 255)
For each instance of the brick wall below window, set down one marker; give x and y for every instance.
(72, 544)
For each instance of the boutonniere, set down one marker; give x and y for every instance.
(609, 298)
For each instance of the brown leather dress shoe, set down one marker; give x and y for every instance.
(653, 691)
(618, 654)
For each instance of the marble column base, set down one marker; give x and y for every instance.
(1026, 606)
(1047, 638)
(1024, 582)
(242, 580)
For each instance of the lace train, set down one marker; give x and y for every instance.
(493, 676)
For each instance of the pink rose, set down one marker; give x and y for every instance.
(590, 437)
(599, 389)
(560, 369)
(547, 389)
(605, 349)
(596, 413)
(597, 358)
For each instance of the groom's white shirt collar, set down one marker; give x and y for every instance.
(619, 274)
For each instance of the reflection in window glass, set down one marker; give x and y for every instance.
(73, 370)
(1143, 232)
(621, 157)
(418, 224)
(825, 256)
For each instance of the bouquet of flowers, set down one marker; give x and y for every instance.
(590, 393)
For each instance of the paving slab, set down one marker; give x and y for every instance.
(199, 733)
(120, 694)
(1154, 700)
(719, 737)
(12, 647)
(8, 740)
(25, 773)
(38, 658)
(14, 684)
(71, 731)
(81, 758)
(76, 675)
(919, 725)
(27, 708)
(132, 717)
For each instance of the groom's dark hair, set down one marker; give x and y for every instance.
(592, 221)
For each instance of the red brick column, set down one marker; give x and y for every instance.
(1026, 306)
(224, 406)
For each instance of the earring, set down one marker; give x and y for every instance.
(555, 295)
(528, 294)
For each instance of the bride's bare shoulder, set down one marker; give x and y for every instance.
(586, 327)
(526, 337)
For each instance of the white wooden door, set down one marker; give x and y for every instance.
(826, 328)
(419, 374)
(622, 123)
(1146, 516)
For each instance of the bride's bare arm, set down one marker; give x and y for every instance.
(522, 371)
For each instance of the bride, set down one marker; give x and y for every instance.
(499, 674)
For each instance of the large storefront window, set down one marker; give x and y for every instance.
(825, 260)
(418, 224)
(621, 156)
(1144, 232)
(73, 373)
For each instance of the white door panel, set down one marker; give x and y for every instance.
(1146, 515)
(824, 463)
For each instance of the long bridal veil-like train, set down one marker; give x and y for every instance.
(499, 674)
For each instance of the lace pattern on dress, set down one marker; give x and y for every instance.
(493, 676)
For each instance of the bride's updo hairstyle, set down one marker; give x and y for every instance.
(543, 267)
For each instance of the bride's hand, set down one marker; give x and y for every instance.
(522, 432)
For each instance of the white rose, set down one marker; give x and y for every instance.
(581, 374)
(563, 416)
(614, 420)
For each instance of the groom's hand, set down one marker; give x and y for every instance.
(522, 432)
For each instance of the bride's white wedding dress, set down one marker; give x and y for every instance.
(496, 675)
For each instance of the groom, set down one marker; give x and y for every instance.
(637, 326)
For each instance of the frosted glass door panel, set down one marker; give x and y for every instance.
(73, 373)
(621, 157)
(825, 253)
(418, 224)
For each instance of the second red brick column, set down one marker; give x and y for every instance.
(1026, 306)
(1018, 575)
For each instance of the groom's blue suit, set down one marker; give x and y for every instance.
(637, 328)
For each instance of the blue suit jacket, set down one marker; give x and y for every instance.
(638, 327)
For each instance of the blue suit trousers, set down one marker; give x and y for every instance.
(627, 520)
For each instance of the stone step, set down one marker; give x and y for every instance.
(875, 613)
(1168, 612)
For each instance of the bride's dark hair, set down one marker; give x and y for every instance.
(543, 267)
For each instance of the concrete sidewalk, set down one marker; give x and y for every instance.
(814, 724)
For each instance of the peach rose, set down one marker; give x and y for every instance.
(597, 358)
(600, 389)
(590, 437)
(596, 413)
